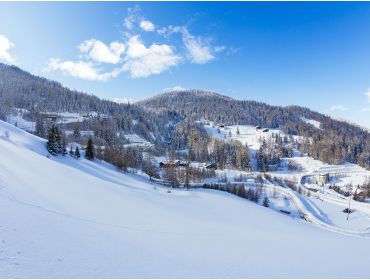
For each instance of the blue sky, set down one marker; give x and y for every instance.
(314, 54)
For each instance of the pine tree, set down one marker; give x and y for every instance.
(54, 144)
(71, 152)
(51, 141)
(89, 154)
(58, 140)
(266, 202)
(77, 153)
(64, 145)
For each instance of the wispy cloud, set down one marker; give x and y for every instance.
(132, 17)
(338, 107)
(200, 49)
(367, 94)
(366, 108)
(5, 47)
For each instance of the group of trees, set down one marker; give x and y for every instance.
(57, 143)
(252, 194)
(20, 89)
(334, 142)
(230, 153)
(272, 151)
(171, 120)
(175, 174)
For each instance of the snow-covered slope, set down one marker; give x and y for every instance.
(248, 135)
(60, 217)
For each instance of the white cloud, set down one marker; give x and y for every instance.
(5, 46)
(146, 25)
(338, 107)
(141, 61)
(81, 69)
(100, 52)
(367, 93)
(132, 56)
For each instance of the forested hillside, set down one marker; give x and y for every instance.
(20, 89)
(171, 120)
(334, 141)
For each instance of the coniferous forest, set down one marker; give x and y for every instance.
(174, 120)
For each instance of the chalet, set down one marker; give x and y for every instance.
(361, 196)
(285, 211)
(221, 126)
(258, 127)
(211, 166)
(169, 164)
(86, 115)
(50, 118)
(265, 130)
(273, 167)
(184, 164)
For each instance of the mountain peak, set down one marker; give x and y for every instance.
(187, 94)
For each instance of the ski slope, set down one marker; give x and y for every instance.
(67, 218)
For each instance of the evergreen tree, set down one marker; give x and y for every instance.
(89, 153)
(64, 144)
(51, 141)
(54, 144)
(266, 202)
(77, 153)
(71, 152)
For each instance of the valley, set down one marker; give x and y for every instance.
(166, 187)
(81, 218)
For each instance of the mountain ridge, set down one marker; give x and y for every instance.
(155, 119)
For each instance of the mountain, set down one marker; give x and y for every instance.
(170, 118)
(67, 218)
(335, 141)
(22, 90)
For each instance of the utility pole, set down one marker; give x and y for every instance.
(349, 207)
(349, 201)
(322, 191)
